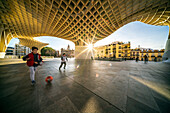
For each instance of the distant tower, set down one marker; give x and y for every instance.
(138, 46)
(68, 48)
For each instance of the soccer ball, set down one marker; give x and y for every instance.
(49, 79)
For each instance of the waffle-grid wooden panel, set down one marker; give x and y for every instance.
(79, 20)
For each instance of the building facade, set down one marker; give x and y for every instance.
(10, 51)
(68, 51)
(114, 50)
(21, 50)
(135, 53)
(17, 52)
(120, 50)
(57, 53)
(153, 55)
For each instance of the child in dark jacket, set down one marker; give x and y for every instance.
(33, 60)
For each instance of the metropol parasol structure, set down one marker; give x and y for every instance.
(83, 22)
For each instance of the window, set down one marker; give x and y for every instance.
(159, 55)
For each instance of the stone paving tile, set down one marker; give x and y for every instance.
(60, 107)
(134, 106)
(163, 105)
(86, 86)
(141, 93)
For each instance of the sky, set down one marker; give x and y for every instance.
(138, 33)
(56, 43)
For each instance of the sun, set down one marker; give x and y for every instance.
(90, 46)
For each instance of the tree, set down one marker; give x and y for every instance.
(48, 51)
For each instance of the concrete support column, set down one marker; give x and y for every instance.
(2, 42)
(167, 52)
(82, 52)
(5, 38)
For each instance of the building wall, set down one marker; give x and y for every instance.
(135, 53)
(17, 52)
(152, 55)
(9, 51)
(68, 52)
(100, 52)
(114, 50)
(123, 50)
(21, 50)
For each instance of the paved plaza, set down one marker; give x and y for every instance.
(86, 86)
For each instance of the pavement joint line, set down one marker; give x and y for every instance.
(150, 93)
(143, 103)
(127, 93)
(95, 94)
(146, 72)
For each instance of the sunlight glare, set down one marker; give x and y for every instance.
(90, 46)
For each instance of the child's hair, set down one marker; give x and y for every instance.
(34, 48)
(63, 53)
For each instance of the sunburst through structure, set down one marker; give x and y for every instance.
(81, 21)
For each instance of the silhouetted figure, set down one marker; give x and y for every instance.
(63, 61)
(123, 59)
(91, 58)
(155, 59)
(137, 59)
(145, 58)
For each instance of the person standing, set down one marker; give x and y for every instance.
(145, 58)
(137, 59)
(91, 57)
(63, 61)
(33, 60)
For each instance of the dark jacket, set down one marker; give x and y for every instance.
(62, 58)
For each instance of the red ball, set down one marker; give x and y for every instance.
(49, 79)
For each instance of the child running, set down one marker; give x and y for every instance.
(63, 61)
(33, 60)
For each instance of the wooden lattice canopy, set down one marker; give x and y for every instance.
(79, 20)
